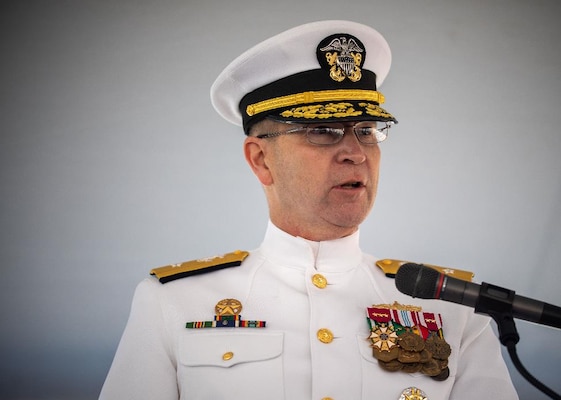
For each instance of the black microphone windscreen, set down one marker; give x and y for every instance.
(417, 280)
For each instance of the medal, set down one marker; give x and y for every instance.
(404, 338)
(413, 393)
(227, 315)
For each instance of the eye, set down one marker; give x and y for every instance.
(324, 135)
(321, 130)
(365, 131)
(325, 131)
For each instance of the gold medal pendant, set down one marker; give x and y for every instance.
(413, 393)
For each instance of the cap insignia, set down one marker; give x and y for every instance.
(343, 55)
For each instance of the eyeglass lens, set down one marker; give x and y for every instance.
(366, 133)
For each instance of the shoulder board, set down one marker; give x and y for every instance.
(390, 268)
(201, 266)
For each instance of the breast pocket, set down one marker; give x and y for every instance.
(231, 365)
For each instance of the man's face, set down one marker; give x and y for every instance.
(316, 192)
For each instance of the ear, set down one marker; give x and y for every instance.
(255, 151)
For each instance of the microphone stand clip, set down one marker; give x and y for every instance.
(496, 302)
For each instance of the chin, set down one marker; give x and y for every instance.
(351, 222)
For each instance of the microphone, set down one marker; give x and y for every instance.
(427, 283)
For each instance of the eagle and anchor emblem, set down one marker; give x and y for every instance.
(343, 55)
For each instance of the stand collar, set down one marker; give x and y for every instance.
(337, 255)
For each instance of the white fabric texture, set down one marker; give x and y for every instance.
(158, 358)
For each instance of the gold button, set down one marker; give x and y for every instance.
(319, 281)
(228, 356)
(325, 335)
(327, 398)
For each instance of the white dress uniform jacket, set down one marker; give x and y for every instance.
(158, 358)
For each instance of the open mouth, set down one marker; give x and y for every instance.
(352, 185)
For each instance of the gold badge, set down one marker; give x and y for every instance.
(343, 55)
(228, 307)
(413, 393)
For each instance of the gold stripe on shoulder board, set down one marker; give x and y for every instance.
(200, 266)
(390, 268)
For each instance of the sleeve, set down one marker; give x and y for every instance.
(144, 366)
(482, 372)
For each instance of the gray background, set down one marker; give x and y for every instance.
(113, 161)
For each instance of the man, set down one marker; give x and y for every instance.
(307, 315)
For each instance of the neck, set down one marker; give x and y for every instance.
(314, 233)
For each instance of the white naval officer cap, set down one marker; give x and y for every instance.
(321, 71)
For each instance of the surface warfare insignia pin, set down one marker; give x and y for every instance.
(227, 315)
(343, 55)
(404, 338)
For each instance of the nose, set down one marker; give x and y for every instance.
(350, 149)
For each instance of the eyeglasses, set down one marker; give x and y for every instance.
(367, 132)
